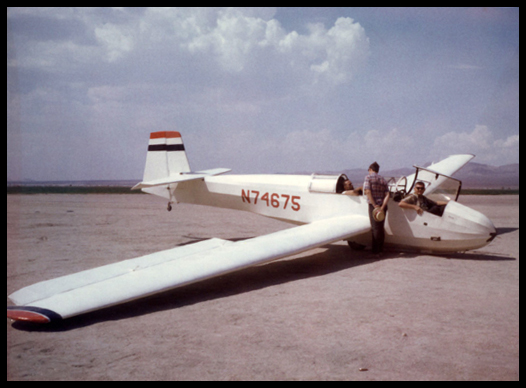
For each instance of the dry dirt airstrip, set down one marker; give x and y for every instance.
(322, 315)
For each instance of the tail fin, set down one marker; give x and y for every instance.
(167, 164)
(166, 156)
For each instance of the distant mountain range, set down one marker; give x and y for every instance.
(476, 175)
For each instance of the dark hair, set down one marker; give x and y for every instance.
(375, 167)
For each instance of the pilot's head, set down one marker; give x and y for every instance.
(420, 188)
(347, 185)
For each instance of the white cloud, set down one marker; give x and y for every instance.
(231, 40)
(117, 40)
(240, 42)
(480, 142)
(216, 72)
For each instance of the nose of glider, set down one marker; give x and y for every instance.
(480, 225)
(490, 229)
(476, 229)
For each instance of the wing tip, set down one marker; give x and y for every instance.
(32, 315)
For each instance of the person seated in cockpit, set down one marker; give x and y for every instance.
(419, 202)
(348, 189)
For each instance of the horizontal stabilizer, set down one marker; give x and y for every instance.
(181, 177)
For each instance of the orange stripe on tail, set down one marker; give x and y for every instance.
(164, 134)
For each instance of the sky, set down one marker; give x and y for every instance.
(258, 90)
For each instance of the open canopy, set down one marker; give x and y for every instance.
(439, 187)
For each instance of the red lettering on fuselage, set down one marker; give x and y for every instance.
(275, 200)
(245, 196)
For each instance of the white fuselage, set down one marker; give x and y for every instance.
(291, 198)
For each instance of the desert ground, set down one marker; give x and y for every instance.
(328, 314)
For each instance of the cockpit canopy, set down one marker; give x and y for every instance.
(439, 187)
(332, 184)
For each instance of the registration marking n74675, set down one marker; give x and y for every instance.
(271, 199)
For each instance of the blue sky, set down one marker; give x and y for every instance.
(259, 90)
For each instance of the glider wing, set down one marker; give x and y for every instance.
(148, 275)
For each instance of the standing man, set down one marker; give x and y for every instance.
(377, 192)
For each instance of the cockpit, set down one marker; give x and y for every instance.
(438, 187)
(331, 184)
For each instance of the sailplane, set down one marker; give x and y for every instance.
(313, 204)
